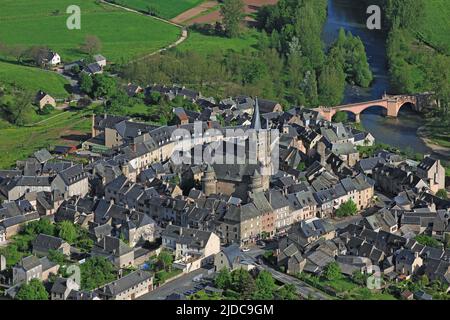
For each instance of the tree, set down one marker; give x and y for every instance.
(331, 84)
(41, 226)
(346, 209)
(86, 83)
(104, 86)
(332, 271)
(96, 272)
(359, 277)
(67, 231)
(91, 45)
(233, 15)
(56, 257)
(17, 109)
(301, 166)
(442, 193)
(340, 116)
(12, 254)
(265, 286)
(18, 51)
(34, 290)
(165, 258)
(424, 281)
(38, 54)
(223, 279)
(151, 10)
(425, 240)
(286, 292)
(243, 283)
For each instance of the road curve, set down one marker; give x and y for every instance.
(183, 36)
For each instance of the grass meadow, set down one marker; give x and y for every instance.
(18, 143)
(436, 25)
(206, 44)
(33, 79)
(123, 34)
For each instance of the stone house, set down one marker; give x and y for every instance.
(42, 99)
(13, 225)
(129, 287)
(62, 287)
(17, 187)
(432, 172)
(280, 206)
(43, 243)
(190, 242)
(290, 258)
(114, 249)
(232, 258)
(71, 182)
(33, 268)
(407, 262)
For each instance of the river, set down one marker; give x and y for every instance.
(400, 132)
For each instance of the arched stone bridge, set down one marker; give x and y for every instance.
(392, 104)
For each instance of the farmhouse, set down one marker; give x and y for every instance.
(101, 60)
(42, 99)
(51, 59)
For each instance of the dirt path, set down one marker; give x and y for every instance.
(183, 36)
(194, 12)
(45, 120)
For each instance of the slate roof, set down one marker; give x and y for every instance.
(43, 155)
(29, 262)
(427, 163)
(73, 174)
(47, 242)
(256, 118)
(190, 237)
(125, 283)
(113, 246)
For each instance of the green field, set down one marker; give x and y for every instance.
(206, 44)
(123, 34)
(167, 9)
(18, 143)
(436, 25)
(33, 79)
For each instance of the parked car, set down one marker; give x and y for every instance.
(245, 249)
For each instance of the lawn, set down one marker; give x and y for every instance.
(33, 79)
(20, 142)
(123, 34)
(436, 24)
(167, 9)
(207, 44)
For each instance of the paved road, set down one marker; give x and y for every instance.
(178, 285)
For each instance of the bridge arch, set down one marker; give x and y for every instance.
(392, 105)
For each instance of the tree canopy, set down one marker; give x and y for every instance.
(34, 290)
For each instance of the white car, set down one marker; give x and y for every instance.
(245, 249)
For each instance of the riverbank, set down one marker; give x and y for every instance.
(427, 135)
